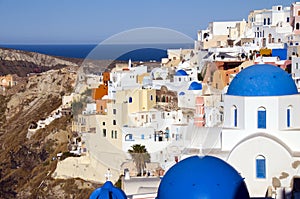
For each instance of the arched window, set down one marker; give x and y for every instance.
(260, 162)
(288, 116)
(234, 116)
(129, 137)
(151, 97)
(269, 21)
(221, 109)
(297, 26)
(270, 38)
(130, 100)
(205, 35)
(265, 21)
(261, 118)
(264, 41)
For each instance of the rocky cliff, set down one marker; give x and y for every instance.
(27, 164)
(22, 62)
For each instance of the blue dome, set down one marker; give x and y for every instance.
(202, 177)
(262, 80)
(181, 73)
(182, 93)
(195, 86)
(108, 191)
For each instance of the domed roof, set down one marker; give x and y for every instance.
(182, 93)
(262, 80)
(202, 177)
(108, 191)
(195, 86)
(181, 73)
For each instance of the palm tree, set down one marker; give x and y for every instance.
(140, 157)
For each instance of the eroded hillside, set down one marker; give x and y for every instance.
(26, 164)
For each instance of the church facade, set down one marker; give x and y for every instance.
(261, 128)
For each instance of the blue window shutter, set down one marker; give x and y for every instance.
(260, 168)
(261, 119)
(235, 117)
(288, 122)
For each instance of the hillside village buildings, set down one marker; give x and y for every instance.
(234, 96)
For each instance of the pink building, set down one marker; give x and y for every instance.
(199, 119)
(295, 17)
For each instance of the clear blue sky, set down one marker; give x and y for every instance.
(91, 21)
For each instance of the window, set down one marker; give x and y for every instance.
(103, 123)
(112, 134)
(269, 21)
(260, 167)
(234, 116)
(114, 122)
(298, 12)
(297, 26)
(128, 137)
(151, 97)
(142, 136)
(287, 19)
(104, 132)
(297, 66)
(130, 100)
(288, 116)
(153, 116)
(114, 111)
(265, 21)
(116, 134)
(261, 118)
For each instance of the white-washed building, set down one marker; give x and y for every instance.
(261, 129)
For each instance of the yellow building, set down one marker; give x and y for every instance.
(140, 78)
(6, 81)
(109, 123)
(137, 100)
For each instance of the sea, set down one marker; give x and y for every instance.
(123, 52)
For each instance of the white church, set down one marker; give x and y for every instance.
(261, 133)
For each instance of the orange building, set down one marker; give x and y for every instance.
(101, 107)
(98, 93)
(222, 78)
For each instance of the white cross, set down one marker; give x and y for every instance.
(108, 175)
